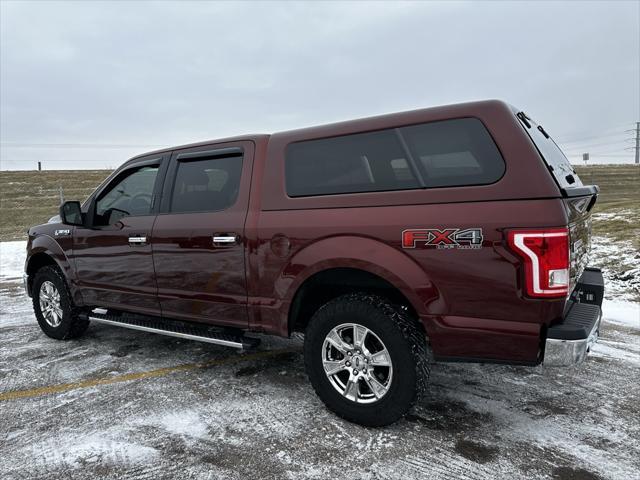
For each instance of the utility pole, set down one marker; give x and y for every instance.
(637, 143)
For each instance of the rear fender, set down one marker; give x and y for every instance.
(363, 253)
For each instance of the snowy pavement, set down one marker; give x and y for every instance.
(125, 404)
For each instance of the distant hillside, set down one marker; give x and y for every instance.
(30, 198)
(619, 184)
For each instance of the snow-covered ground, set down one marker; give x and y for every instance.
(620, 264)
(12, 258)
(229, 415)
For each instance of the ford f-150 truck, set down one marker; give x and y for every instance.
(456, 233)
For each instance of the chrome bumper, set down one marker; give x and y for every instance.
(566, 353)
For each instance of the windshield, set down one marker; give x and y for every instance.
(558, 164)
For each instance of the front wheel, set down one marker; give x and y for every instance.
(366, 359)
(56, 314)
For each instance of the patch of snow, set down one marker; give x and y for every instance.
(14, 310)
(79, 451)
(12, 258)
(621, 215)
(284, 457)
(603, 349)
(620, 264)
(621, 313)
(185, 423)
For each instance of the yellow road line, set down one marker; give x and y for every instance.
(160, 372)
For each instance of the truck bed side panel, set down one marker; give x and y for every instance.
(470, 300)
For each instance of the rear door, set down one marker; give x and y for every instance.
(113, 256)
(198, 238)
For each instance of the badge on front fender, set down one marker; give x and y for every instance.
(448, 238)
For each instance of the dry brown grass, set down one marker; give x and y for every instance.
(32, 197)
(29, 198)
(617, 212)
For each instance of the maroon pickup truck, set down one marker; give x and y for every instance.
(458, 233)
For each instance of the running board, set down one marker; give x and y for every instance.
(171, 329)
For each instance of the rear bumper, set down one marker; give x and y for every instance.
(560, 352)
(569, 341)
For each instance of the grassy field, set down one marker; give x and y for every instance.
(30, 198)
(617, 212)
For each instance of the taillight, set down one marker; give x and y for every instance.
(545, 254)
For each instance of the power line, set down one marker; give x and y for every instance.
(593, 137)
(613, 155)
(592, 145)
(77, 145)
(577, 136)
(606, 152)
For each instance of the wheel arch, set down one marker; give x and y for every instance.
(343, 264)
(45, 251)
(325, 285)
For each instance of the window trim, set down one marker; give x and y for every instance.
(410, 160)
(218, 152)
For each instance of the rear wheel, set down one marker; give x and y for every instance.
(56, 314)
(366, 359)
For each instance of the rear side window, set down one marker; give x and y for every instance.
(366, 162)
(206, 185)
(438, 154)
(455, 152)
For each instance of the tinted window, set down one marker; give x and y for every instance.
(560, 167)
(366, 162)
(454, 153)
(206, 185)
(448, 153)
(129, 195)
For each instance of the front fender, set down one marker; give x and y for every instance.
(58, 251)
(363, 253)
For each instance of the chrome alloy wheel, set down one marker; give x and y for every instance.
(357, 363)
(50, 306)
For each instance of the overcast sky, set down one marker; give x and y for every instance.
(89, 84)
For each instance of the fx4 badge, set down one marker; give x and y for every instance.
(469, 238)
(59, 233)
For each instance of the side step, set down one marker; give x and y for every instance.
(172, 329)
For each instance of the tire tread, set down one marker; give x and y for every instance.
(410, 330)
(76, 325)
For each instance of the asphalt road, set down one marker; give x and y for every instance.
(126, 404)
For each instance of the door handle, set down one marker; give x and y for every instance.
(138, 240)
(225, 238)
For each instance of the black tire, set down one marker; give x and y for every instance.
(400, 334)
(71, 325)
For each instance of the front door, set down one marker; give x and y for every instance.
(113, 255)
(198, 237)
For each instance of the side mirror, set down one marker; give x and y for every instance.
(70, 213)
